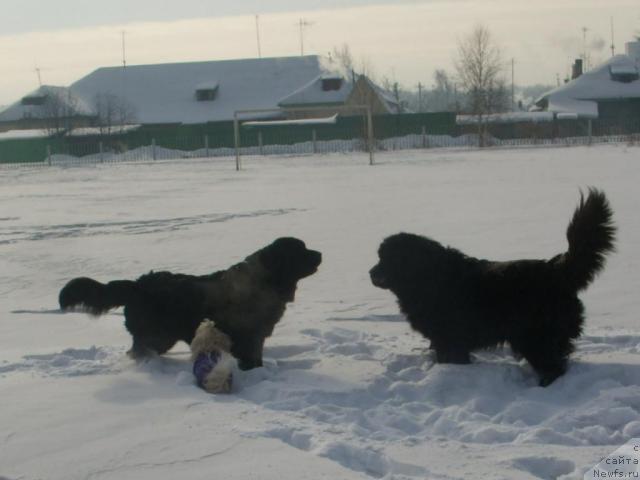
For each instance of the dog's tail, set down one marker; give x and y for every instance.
(591, 236)
(88, 295)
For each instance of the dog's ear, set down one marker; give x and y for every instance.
(279, 265)
(286, 261)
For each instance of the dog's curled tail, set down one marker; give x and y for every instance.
(88, 295)
(591, 235)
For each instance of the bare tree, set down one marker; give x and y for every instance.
(58, 110)
(480, 72)
(112, 113)
(349, 67)
(345, 60)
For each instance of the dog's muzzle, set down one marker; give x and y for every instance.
(377, 278)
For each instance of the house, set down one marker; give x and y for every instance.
(609, 92)
(327, 95)
(48, 108)
(196, 92)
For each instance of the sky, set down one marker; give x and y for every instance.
(404, 41)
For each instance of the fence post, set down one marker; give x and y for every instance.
(101, 152)
(236, 139)
(314, 139)
(206, 146)
(153, 148)
(590, 130)
(49, 155)
(424, 137)
(370, 134)
(260, 145)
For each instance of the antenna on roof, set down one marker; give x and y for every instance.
(39, 78)
(258, 36)
(613, 45)
(303, 23)
(584, 47)
(124, 57)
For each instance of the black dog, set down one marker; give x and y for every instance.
(462, 303)
(245, 301)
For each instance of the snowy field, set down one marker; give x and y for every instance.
(347, 391)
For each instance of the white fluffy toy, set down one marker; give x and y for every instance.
(212, 362)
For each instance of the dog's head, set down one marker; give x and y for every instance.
(405, 259)
(286, 261)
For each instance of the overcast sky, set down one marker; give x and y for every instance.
(402, 40)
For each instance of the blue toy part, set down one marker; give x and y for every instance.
(205, 362)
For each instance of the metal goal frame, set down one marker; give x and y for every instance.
(237, 123)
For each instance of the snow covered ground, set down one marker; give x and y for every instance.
(348, 391)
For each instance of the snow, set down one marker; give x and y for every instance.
(347, 391)
(304, 121)
(17, 134)
(510, 117)
(115, 130)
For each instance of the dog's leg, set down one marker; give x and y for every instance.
(148, 346)
(139, 351)
(248, 351)
(450, 354)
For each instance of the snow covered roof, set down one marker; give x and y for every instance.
(319, 91)
(303, 121)
(36, 104)
(87, 131)
(18, 134)
(612, 80)
(387, 98)
(510, 117)
(166, 93)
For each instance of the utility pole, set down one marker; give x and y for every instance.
(513, 88)
(419, 97)
(258, 36)
(613, 46)
(303, 24)
(124, 57)
(39, 78)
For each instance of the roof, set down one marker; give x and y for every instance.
(581, 95)
(165, 93)
(508, 117)
(312, 93)
(19, 110)
(22, 134)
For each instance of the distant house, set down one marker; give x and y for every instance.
(609, 92)
(330, 94)
(48, 108)
(199, 92)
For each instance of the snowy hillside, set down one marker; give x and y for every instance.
(348, 391)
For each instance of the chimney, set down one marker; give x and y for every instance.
(576, 70)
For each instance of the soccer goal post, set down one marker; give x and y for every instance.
(266, 117)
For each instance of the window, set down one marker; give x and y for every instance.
(623, 73)
(206, 93)
(34, 100)
(333, 83)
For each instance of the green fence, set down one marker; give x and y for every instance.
(220, 135)
(391, 132)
